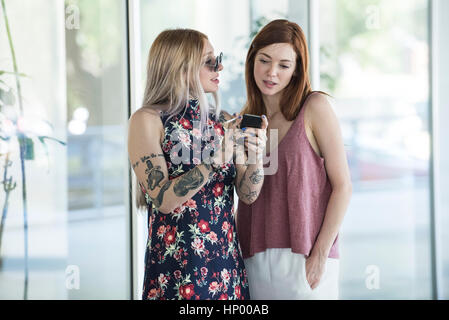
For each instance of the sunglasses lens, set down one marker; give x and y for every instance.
(218, 60)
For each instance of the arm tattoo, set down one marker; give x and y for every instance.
(160, 197)
(211, 171)
(155, 175)
(145, 158)
(245, 190)
(256, 177)
(135, 165)
(189, 181)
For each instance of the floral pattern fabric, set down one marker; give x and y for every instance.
(193, 252)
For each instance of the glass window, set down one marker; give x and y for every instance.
(75, 111)
(375, 63)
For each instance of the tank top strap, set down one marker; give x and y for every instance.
(300, 118)
(298, 124)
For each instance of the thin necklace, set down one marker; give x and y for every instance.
(272, 115)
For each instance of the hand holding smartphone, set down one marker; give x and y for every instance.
(251, 121)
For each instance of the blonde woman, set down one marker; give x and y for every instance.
(181, 155)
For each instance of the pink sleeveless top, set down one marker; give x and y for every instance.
(292, 204)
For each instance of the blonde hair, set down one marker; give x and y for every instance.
(173, 69)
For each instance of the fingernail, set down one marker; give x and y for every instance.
(244, 129)
(240, 117)
(264, 117)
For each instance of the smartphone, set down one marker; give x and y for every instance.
(251, 121)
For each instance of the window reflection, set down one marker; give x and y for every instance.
(375, 62)
(77, 195)
(97, 110)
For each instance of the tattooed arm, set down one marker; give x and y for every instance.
(145, 153)
(249, 182)
(250, 173)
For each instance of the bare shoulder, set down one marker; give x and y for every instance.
(145, 123)
(145, 117)
(145, 113)
(318, 100)
(318, 108)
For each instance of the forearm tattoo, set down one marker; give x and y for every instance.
(245, 189)
(189, 181)
(211, 171)
(256, 177)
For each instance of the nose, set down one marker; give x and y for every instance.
(220, 67)
(272, 71)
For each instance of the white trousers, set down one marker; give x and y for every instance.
(280, 274)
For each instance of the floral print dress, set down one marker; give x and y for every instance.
(193, 252)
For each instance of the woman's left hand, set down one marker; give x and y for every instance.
(315, 267)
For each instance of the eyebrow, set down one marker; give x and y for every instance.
(285, 60)
(208, 53)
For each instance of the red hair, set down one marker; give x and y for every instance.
(296, 92)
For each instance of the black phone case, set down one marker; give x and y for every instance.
(251, 121)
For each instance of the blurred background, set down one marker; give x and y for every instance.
(69, 229)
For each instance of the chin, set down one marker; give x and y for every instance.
(268, 92)
(211, 90)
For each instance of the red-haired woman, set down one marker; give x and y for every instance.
(289, 235)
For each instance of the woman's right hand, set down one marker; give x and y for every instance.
(225, 152)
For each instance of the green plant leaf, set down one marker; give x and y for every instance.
(13, 73)
(44, 144)
(43, 138)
